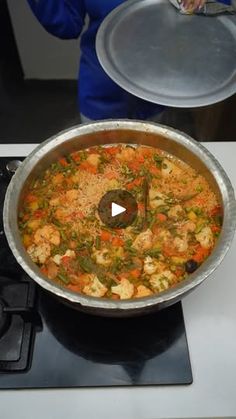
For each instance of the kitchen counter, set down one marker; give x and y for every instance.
(210, 318)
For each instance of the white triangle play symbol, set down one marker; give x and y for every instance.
(116, 209)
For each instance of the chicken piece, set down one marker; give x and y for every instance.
(150, 265)
(142, 291)
(126, 154)
(102, 257)
(39, 253)
(164, 235)
(58, 258)
(188, 227)
(52, 269)
(143, 241)
(94, 159)
(57, 179)
(205, 238)
(47, 234)
(125, 289)
(71, 196)
(160, 282)
(95, 288)
(156, 199)
(175, 212)
(181, 244)
(169, 168)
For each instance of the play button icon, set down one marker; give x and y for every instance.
(117, 209)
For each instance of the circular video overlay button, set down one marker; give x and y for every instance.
(118, 209)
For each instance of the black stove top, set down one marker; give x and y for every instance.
(45, 344)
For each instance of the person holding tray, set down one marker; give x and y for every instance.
(99, 97)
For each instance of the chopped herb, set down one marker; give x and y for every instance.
(158, 160)
(155, 253)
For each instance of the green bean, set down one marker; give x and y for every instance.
(63, 278)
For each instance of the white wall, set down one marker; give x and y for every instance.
(42, 55)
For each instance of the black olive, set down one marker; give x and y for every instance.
(191, 266)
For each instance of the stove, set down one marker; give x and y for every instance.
(45, 344)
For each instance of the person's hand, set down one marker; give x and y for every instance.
(191, 5)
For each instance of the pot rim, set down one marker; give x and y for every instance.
(167, 297)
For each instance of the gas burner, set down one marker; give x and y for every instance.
(4, 318)
(17, 323)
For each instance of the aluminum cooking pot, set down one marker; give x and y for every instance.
(130, 132)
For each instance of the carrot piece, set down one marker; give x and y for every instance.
(40, 213)
(65, 260)
(117, 241)
(135, 273)
(147, 152)
(140, 158)
(74, 288)
(112, 150)
(135, 182)
(161, 217)
(105, 235)
(154, 170)
(217, 210)
(44, 270)
(201, 254)
(76, 157)
(30, 198)
(215, 229)
(88, 167)
(63, 162)
(133, 165)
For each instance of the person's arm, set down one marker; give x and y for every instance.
(62, 18)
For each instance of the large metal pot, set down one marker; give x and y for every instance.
(132, 132)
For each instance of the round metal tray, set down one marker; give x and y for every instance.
(151, 50)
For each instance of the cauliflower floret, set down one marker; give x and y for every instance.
(125, 289)
(47, 234)
(102, 257)
(142, 291)
(160, 282)
(175, 212)
(150, 265)
(181, 244)
(169, 168)
(69, 253)
(39, 253)
(54, 202)
(126, 154)
(94, 159)
(143, 241)
(95, 288)
(155, 198)
(205, 238)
